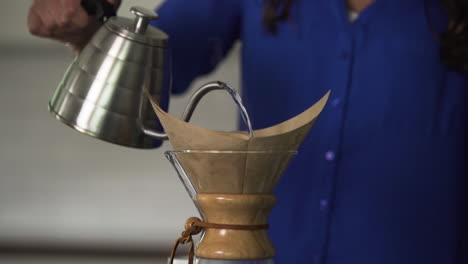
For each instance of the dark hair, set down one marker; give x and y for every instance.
(453, 42)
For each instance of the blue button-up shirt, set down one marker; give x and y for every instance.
(381, 178)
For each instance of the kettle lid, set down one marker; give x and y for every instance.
(138, 29)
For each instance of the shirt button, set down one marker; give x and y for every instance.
(330, 155)
(323, 204)
(336, 102)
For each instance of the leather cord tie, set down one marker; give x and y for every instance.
(194, 226)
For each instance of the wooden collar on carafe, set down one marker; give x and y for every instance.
(194, 226)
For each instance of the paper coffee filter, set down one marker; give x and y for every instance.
(234, 162)
(234, 172)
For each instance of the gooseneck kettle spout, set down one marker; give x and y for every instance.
(190, 107)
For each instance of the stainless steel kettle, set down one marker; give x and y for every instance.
(102, 91)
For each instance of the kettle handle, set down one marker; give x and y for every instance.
(101, 9)
(191, 105)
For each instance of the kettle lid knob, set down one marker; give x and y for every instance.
(143, 17)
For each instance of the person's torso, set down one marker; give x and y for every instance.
(380, 177)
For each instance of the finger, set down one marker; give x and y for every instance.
(37, 24)
(50, 14)
(115, 3)
(71, 17)
(34, 22)
(82, 19)
(65, 14)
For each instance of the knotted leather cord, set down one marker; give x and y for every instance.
(194, 226)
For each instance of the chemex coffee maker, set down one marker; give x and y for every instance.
(117, 89)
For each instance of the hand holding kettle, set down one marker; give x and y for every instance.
(70, 21)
